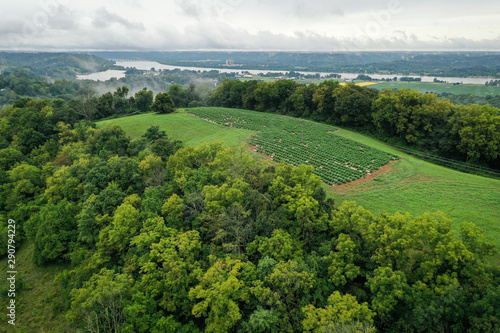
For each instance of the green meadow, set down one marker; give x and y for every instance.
(190, 130)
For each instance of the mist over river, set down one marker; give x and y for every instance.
(147, 65)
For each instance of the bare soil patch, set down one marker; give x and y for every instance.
(254, 149)
(368, 178)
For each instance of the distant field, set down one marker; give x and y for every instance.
(411, 185)
(423, 87)
(437, 88)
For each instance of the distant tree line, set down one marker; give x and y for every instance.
(17, 84)
(468, 133)
(410, 79)
(54, 65)
(493, 83)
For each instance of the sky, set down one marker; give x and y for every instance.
(278, 25)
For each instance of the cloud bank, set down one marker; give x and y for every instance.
(314, 25)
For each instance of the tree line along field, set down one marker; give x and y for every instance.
(336, 160)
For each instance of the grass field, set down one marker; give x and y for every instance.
(411, 185)
(190, 130)
(437, 88)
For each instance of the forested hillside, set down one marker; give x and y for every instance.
(159, 238)
(55, 65)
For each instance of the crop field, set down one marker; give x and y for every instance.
(438, 88)
(336, 160)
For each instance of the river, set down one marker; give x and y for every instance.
(102, 76)
(147, 65)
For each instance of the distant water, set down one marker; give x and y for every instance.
(102, 76)
(147, 65)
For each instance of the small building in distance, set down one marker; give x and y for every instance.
(229, 62)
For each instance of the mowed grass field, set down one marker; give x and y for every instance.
(438, 88)
(190, 130)
(409, 186)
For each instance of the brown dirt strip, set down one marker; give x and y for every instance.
(368, 178)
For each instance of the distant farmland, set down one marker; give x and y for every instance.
(438, 88)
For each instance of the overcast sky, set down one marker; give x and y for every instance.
(312, 25)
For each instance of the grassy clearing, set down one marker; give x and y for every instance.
(437, 88)
(39, 305)
(190, 130)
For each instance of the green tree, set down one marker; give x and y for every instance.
(324, 99)
(281, 246)
(109, 141)
(52, 231)
(98, 306)
(353, 105)
(219, 293)
(178, 95)
(163, 103)
(153, 133)
(88, 102)
(478, 128)
(125, 225)
(105, 105)
(143, 100)
(342, 314)
(290, 284)
(262, 321)
(169, 266)
(152, 169)
(121, 92)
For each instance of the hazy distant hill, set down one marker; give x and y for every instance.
(55, 65)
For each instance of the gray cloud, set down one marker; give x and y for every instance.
(316, 25)
(312, 10)
(10, 25)
(103, 19)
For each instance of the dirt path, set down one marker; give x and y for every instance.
(254, 149)
(368, 178)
